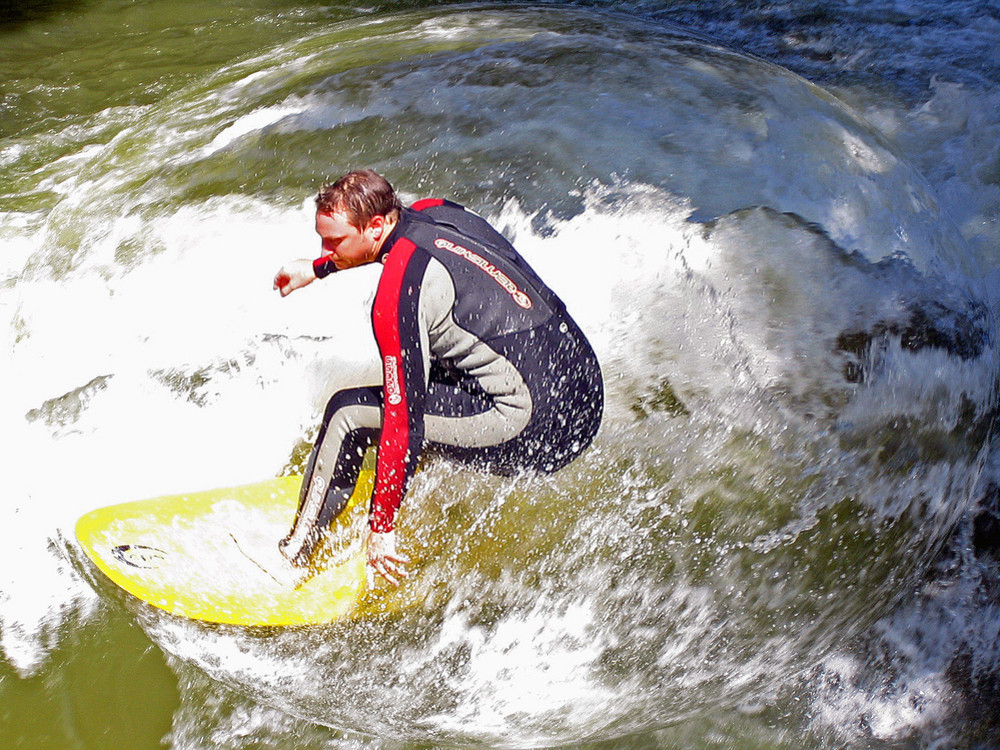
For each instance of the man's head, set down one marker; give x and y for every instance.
(354, 215)
(361, 196)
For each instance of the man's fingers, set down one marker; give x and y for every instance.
(385, 559)
(392, 565)
(383, 570)
(390, 578)
(389, 567)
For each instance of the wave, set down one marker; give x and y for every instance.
(797, 343)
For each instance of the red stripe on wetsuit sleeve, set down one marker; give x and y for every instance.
(394, 443)
(427, 203)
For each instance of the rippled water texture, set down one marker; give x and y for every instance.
(797, 346)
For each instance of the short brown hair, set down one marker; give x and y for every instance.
(360, 195)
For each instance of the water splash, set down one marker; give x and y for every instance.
(801, 376)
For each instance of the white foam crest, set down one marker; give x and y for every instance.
(202, 297)
(889, 712)
(954, 139)
(164, 378)
(919, 666)
(600, 258)
(532, 665)
(459, 27)
(17, 230)
(930, 384)
(212, 717)
(255, 121)
(38, 587)
(902, 686)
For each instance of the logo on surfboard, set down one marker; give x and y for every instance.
(139, 555)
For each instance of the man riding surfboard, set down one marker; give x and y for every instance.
(480, 360)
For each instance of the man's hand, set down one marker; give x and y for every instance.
(294, 275)
(383, 558)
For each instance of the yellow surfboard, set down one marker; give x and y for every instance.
(213, 555)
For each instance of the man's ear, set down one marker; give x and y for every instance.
(377, 225)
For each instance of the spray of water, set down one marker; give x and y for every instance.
(799, 364)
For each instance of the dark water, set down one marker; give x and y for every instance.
(777, 222)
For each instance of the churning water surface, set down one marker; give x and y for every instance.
(782, 536)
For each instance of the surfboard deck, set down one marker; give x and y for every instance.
(213, 556)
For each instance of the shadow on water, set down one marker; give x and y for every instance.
(15, 13)
(104, 686)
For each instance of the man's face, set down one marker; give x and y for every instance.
(346, 245)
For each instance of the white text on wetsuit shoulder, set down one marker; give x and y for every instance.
(519, 297)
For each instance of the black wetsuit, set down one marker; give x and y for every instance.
(480, 360)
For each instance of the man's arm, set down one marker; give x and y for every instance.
(396, 322)
(300, 273)
(395, 318)
(294, 275)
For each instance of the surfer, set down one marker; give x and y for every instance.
(480, 360)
